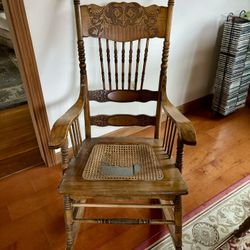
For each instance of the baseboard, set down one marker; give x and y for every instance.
(204, 101)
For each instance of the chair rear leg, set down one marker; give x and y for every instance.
(68, 217)
(178, 222)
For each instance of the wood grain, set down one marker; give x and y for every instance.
(122, 120)
(123, 95)
(59, 131)
(18, 149)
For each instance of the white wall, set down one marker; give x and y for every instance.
(192, 61)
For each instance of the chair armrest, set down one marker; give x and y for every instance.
(59, 131)
(185, 127)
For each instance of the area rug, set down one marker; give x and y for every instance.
(211, 226)
(11, 89)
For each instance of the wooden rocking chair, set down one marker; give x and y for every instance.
(122, 168)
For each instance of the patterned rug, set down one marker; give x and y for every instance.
(11, 89)
(211, 226)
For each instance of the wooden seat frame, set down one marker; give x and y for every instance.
(142, 22)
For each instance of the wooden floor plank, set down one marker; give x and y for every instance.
(31, 210)
(18, 148)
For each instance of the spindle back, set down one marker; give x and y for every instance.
(121, 27)
(122, 66)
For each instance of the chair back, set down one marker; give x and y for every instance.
(124, 31)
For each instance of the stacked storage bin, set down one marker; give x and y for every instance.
(233, 71)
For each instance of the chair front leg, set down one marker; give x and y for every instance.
(178, 222)
(68, 217)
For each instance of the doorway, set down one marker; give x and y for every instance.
(18, 148)
(21, 38)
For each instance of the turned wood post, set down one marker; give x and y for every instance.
(68, 217)
(164, 65)
(179, 154)
(82, 65)
(65, 156)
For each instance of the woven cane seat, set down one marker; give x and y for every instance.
(114, 161)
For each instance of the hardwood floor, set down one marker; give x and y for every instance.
(18, 147)
(31, 210)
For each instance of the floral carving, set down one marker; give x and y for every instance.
(122, 15)
(99, 95)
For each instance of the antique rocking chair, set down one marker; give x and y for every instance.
(122, 168)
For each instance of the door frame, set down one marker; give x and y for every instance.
(20, 34)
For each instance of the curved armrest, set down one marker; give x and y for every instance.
(59, 131)
(185, 127)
